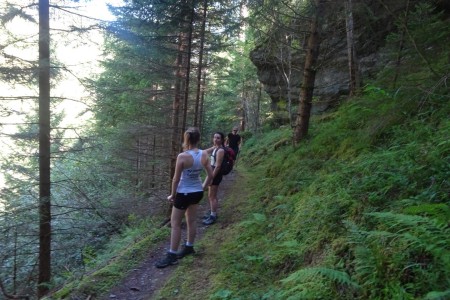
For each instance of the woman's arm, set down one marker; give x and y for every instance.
(176, 176)
(219, 158)
(209, 172)
(209, 151)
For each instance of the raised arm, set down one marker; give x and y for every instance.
(209, 151)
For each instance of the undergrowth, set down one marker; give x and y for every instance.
(360, 210)
(107, 267)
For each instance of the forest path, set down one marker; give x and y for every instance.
(144, 282)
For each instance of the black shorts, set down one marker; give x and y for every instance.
(236, 150)
(183, 200)
(218, 179)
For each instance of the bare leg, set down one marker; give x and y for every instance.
(212, 195)
(175, 223)
(191, 216)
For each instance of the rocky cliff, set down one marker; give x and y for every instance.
(373, 21)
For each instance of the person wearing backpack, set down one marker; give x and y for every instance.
(186, 193)
(234, 141)
(217, 153)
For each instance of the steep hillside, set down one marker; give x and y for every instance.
(359, 211)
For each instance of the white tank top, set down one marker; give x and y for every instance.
(213, 157)
(191, 181)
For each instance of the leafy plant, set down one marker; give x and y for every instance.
(408, 252)
(311, 283)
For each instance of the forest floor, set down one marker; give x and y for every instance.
(145, 281)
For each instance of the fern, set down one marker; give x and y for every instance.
(405, 255)
(438, 295)
(439, 211)
(428, 233)
(306, 282)
(331, 274)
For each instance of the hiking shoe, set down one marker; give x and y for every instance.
(206, 216)
(211, 220)
(170, 259)
(186, 250)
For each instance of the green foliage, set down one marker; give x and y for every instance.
(407, 252)
(425, 52)
(111, 264)
(300, 283)
(245, 135)
(237, 88)
(437, 295)
(360, 210)
(438, 211)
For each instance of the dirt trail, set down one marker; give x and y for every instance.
(144, 282)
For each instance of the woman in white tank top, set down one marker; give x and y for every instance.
(186, 193)
(217, 153)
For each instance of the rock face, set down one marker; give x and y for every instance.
(332, 77)
(373, 22)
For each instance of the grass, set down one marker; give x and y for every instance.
(358, 211)
(333, 218)
(112, 264)
(196, 276)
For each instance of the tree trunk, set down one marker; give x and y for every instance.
(187, 73)
(138, 161)
(352, 59)
(180, 82)
(202, 99)
(244, 109)
(401, 46)
(258, 105)
(309, 75)
(44, 150)
(200, 66)
(176, 108)
(244, 117)
(153, 177)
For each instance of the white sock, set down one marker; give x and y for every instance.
(214, 214)
(189, 244)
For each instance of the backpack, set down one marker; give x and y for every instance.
(228, 161)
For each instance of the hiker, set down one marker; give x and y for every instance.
(186, 193)
(217, 153)
(234, 141)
